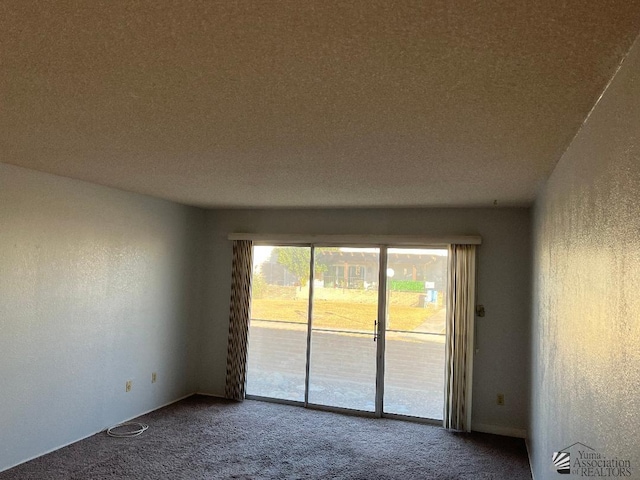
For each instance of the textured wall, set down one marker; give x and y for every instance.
(95, 289)
(501, 364)
(586, 305)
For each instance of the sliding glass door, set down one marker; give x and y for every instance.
(343, 322)
(328, 330)
(415, 332)
(277, 354)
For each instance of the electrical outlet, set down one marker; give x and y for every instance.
(154, 377)
(500, 399)
(128, 386)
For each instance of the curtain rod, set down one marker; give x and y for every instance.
(361, 240)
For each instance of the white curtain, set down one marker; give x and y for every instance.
(239, 319)
(460, 341)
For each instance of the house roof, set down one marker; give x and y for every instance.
(337, 257)
(306, 104)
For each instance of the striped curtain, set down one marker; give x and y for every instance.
(460, 330)
(239, 319)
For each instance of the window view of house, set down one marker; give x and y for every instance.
(277, 354)
(343, 343)
(415, 332)
(343, 364)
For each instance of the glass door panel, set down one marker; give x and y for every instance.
(415, 332)
(277, 351)
(342, 371)
(334, 362)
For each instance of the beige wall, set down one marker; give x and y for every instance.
(586, 304)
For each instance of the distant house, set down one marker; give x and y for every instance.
(359, 270)
(354, 269)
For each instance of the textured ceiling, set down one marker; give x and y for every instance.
(306, 103)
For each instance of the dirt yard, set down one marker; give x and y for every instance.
(340, 309)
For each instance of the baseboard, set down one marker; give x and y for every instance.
(526, 443)
(499, 430)
(94, 433)
(144, 413)
(209, 395)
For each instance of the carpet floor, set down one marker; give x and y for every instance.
(209, 438)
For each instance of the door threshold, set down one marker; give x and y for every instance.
(346, 411)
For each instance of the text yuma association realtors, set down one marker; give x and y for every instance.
(594, 464)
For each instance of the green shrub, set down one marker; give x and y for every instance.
(406, 286)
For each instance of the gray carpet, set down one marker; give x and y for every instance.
(204, 438)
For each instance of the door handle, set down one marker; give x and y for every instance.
(375, 330)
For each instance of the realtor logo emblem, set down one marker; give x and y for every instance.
(562, 461)
(580, 460)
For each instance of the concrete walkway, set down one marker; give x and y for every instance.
(343, 369)
(436, 323)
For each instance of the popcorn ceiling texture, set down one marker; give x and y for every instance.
(289, 104)
(586, 304)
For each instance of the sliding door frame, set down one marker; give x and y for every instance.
(381, 330)
(312, 278)
(379, 382)
(381, 321)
